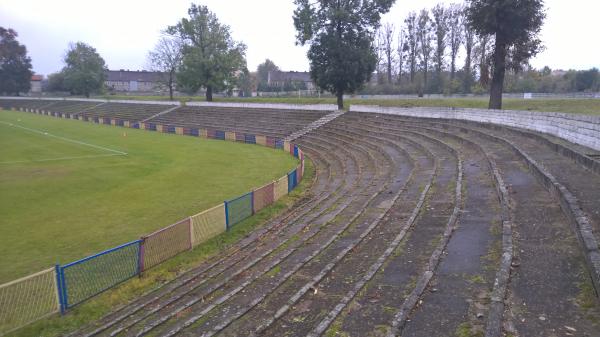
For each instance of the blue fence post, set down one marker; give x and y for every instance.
(226, 215)
(59, 289)
(140, 265)
(65, 293)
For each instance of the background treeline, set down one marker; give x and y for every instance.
(435, 51)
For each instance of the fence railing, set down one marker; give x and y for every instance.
(28, 299)
(62, 287)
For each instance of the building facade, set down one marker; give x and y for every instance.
(36, 84)
(281, 79)
(135, 81)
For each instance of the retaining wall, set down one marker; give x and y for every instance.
(579, 129)
(307, 107)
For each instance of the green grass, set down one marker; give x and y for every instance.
(582, 106)
(101, 305)
(63, 210)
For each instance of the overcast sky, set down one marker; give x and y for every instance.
(124, 31)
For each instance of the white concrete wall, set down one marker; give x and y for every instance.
(312, 107)
(576, 128)
(171, 103)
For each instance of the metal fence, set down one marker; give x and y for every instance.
(260, 140)
(281, 187)
(165, 243)
(92, 275)
(263, 196)
(28, 299)
(238, 209)
(250, 139)
(208, 224)
(60, 288)
(292, 180)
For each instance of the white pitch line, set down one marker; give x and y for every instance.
(65, 139)
(61, 158)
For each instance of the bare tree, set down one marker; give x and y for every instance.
(400, 52)
(412, 43)
(469, 41)
(440, 27)
(386, 35)
(483, 51)
(455, 34)
(379, 48)
(166, 59)
(425, 36)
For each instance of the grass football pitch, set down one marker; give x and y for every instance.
(69, 188)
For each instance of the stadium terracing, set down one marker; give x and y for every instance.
(419, 222)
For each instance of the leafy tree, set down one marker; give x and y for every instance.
(340, 34)
(587, 80)
(15, 65)
(211, 58)
(246, 83)
(56, 82)
(262, 72)
(84, 71)
(512, 23)
(166, 59)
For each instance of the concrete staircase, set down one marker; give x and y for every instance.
(315, 125)
(160, 114)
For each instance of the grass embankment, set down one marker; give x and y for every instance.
(62, 200)
(101, 305)
(582, 106)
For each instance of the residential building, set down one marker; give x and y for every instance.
(281, 79)
(135, 81)
(36, 84)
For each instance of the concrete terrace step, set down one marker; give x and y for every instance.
(315, 125)
(161, 113)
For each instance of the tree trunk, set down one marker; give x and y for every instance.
(425, 77)
(171, 85)
(389, 70)
(468, 79)
(452, 68)
(340, 100)
(209, 93)
(468, 61)
(498, 76)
